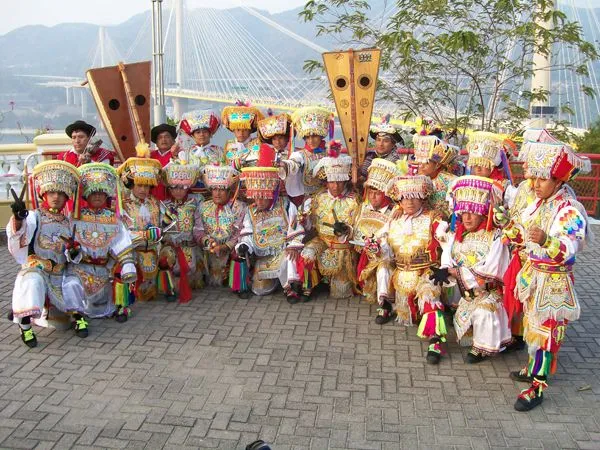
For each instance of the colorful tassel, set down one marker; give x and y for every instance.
(432, 324)
(238, 275)
(540, 363)
(165, 282)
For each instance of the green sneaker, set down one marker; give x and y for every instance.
(28, 337)
(81, 328)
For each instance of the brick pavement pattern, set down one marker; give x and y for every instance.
(221, 372)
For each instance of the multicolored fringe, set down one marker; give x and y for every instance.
(540, 365)
(432, 324)
(165, 282)
(238, 276)
(153, 233)
(122, 294)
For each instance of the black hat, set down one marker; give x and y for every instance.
(387, 130)
(80, 125)
(162, 128)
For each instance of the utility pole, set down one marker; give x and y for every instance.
(102, 45)
(160, 114)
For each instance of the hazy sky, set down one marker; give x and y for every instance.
(16, 14)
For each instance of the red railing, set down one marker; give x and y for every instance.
(587, 187)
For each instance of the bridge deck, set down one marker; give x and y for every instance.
(221, 372)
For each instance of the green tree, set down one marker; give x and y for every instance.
(461, 62)
(590, 141)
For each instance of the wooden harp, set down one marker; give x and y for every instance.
(353, 76)
(122, 96)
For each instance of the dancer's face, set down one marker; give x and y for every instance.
(56, 200)
(241, 135)
(97, 200)
(411, 206)
(141, 191)
(201, 136)
(546, 187)
(220, 196)
(471, 221)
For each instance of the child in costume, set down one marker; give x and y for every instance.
(488, 158)
(311, 124)
(36, 239)
(103, 245)
(220, 221)
(553, 228)
(271, 233)
(242, 121)
(332, 214)
(434, 157)
(180, 253)
(201, 126)
(143, 219)
(476, 259)
(375, 212)
(410, 245)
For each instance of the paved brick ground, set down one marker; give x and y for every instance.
(221, 372)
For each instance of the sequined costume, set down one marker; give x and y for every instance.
(331, 250)
(545, 282)
(37, 242)
(480, 260)
(142, 219)
(241, 154)
(268, 234)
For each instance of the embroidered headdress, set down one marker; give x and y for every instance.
(381, 172)
(142, 169)
(486, 150)
(553, 160)
(311, 120)
(241, 118)
(179, 174)
(198, 119)
(431, 148)
(418, 186)
(273, 125)
(220, 177)
(55, 176)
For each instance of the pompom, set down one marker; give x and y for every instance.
(142, 150)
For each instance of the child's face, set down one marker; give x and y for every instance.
(471, 221)
(481, 171)
(429, 168)
(141, 191)
(201, 136)
(178, 192)
(313, 141)
(280, 141)
(376, 198)
(336, 188)
(546, 187)
(263, 204)
(241, 135)
(96, 200)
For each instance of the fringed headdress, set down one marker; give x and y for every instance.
(418, 186)
(381, 172)
(553, 160)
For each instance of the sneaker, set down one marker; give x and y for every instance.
(28, 337)
(292, 297)
(473, 358)
(10, 316)
(170, 298)
(244, 295)
(81, 328)
(521, 375)
(529, 399)
(305, 298)
(383, 316)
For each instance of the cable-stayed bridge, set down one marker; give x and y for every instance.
(210, 56)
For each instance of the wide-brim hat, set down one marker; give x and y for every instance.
(162, 128)
(80, 125)
(386, 129)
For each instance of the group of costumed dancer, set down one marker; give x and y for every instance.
(425, 245)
